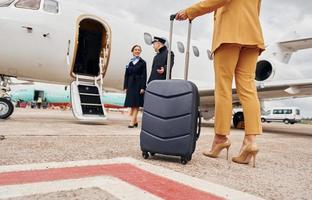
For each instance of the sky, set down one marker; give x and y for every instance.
(281, 20)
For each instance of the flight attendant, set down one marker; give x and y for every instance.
(237, 43)
(135, 84)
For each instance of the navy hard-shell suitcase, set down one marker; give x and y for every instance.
(171, 118)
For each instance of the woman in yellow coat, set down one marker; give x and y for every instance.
(237, 43)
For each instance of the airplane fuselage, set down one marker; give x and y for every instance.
(38, 46)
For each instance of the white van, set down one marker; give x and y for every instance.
(286, 114)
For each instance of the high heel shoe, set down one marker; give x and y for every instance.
(249, 152)
(214, 153)
(133, 126)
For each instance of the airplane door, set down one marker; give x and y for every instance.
(86, 90)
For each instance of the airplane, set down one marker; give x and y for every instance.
(72, 43)
(58, 95)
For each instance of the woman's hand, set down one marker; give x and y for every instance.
(161, 70)
(142, 91)
(181, 15)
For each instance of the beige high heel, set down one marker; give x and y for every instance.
(249, 152)
(214, 153)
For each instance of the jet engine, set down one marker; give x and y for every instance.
(264, 70)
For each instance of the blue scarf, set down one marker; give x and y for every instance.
(134, 61)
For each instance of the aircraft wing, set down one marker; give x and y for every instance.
(287, 48)
(295, 45)
(267, 91)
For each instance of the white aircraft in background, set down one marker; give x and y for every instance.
(68, 42)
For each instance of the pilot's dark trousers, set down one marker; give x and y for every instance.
(238, 60)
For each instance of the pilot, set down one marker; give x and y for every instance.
(237, 43)
(159, 66)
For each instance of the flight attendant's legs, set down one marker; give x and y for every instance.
(134, 115)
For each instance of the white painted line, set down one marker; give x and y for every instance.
(197, 183)
(53, 165)
(112, 185)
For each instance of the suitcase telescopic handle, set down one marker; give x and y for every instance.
(187, 53)
(173, 16)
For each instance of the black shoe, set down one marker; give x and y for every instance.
(131, 126)
(136, 125)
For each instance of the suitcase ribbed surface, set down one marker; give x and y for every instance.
(170, 117)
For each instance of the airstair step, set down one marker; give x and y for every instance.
(90, 99)
(92, 110)
(90, 89)
(91, 104)
(88, 94)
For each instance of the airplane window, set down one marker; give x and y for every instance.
(148, 38)
(209, 55)
(196, 51)
(5, 3)
(51, 6)
(28, 4)
(181, 47)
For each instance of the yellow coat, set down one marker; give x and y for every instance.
(235, 21)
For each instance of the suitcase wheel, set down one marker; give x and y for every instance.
(183, 160)
(145, 155)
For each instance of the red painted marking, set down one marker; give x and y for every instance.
(60, 104)
(159, 186)
(113, 106)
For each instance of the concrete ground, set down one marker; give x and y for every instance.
(283, 165)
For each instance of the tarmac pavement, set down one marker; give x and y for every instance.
(283, 166)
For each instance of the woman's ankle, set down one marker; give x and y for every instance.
(220, 138)
(249, 139)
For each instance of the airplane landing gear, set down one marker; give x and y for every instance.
(238, 120)
(6, 106)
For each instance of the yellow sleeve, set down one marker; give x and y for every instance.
(259, 6)
(203, 7)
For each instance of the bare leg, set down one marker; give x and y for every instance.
(131, 116)
(134, 119)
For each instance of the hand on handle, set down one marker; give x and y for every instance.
(181, 15)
